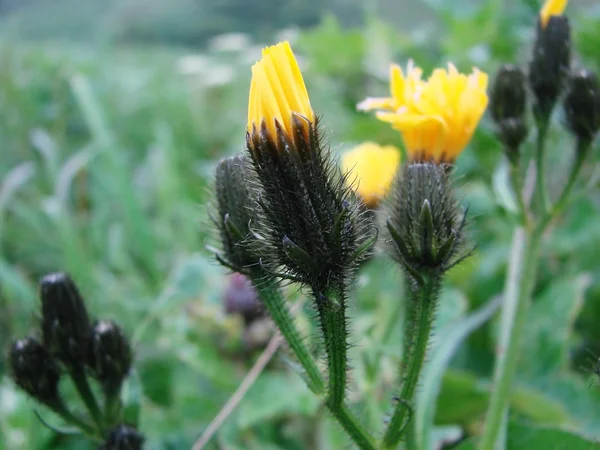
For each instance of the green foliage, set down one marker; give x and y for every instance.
(106, 162)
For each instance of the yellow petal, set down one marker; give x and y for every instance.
(552, 8)
(277, 90)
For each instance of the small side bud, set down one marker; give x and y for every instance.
(34, 370)
(65, 321)
(508, 103)
(425, 223)
(549, 65)
(235, 208)
(241, 297)
(110, 356)
(509, 94)
(582, 105)
(124, 437)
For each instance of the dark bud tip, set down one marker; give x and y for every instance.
(124, 437)
(65, 320)
(34, 370)
(110, 356)
(241, 297)
(508, 98)
(582, 105)
(549, 65)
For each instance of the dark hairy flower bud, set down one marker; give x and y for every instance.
(110, 356)
(309, 214)
(549, 65)
(65, 321)
(508, 99)
(124, 437)
(34, 370)
(235, 207)
(508, 103)
(425, 221)
(582, 105)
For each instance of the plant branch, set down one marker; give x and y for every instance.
(540, 189)
(418, 323)
(351, 425)
(83, 387)
(518, 290)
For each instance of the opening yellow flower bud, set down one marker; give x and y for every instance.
(372, 168)
(277, 91)
(552, 8)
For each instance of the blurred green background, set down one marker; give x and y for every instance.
(112, 117)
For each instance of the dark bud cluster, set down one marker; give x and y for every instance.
(34, 370)
(425, 221)
(582, 105)
(549, 65)
(235, 209)
(65, 320)
(508, 105)
(309, 215)
(110, 356)
(124, 437)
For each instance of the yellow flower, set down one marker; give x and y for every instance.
(277, 92)
(552, 8)
(438, 117)
(402, 89)
(372, 168)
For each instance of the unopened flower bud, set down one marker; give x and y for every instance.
(65, 321)
(508, 99)
(425, 222)
(241, 297)
(235, 206)
(110, 356)
(582, 105)
(34, 370)
(124, 437)
(549, 64)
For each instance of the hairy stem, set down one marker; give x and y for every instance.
(332, 313)
(356, 432)
(418, 323)
(518, 290)
(275, 304)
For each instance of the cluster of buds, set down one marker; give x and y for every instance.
(73, 344)
(549, 76)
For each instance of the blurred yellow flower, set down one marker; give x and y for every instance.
(277, 91)
(552, 8)
(437, 117)
(372, 168)
(402, 89)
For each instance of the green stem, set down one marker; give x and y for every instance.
(72, 419)
(580, 155)
(112, 405)
(275, 304)
(518, 290)
(418, 323)
(81, 383)
(332, 313)
(347, 420)
(517, 185)
(540, 189)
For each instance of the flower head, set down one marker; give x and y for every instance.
(309, 223)
(373, 166)
(552, 8)
(277, 93)
(437, 117)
